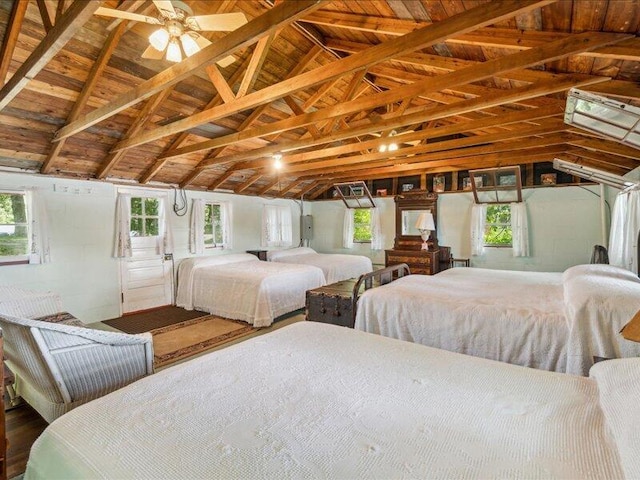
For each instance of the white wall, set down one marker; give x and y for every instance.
(564, 225)
(82, 221)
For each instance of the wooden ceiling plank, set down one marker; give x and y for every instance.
(605, 160)
(47, 23)
(469, 74)
(220, 180)
(321, 92)
(485, 14)
(258, 57)
(289, 187)
(11, 36)
(250, 181)
(72, 21)
(244, 36)
(307, 189)
(349, 94)
(219, 83)
(607, 146)
(268, 187)
(92, 79)
(152, 105)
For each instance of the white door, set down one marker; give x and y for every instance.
(147, 276)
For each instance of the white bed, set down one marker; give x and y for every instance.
(336, 267)
(551, 321)
(241, 287)
(23, 303)
(331, 402)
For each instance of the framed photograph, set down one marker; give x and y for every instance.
(478, 181)
(507, 180)
(357, 191)
(466, 183)
(548, 178)
(407, 187)
(438, 183)
(381, 192)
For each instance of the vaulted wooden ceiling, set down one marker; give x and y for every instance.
(463, 84)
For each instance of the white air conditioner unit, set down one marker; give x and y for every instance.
(616, 120)
(594, 174)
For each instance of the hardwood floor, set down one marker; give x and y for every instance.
(24, 425)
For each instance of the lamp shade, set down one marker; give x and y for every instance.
(425, 221)
(631, 331)
(159, 39)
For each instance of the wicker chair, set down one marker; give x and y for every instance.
(58, 367)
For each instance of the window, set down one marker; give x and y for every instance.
(14, 227)
(362, 225)
(145, 219)
(213, 225)
(497, 231)
(276, 226)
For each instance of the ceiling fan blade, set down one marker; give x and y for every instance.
(152, 54)
(200, 40)
(166, 8)
(110, 12)
(226, 61)
(217, 22)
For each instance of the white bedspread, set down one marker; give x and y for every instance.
(336, 267)
(514, 317)
(335, 403)
(23, 303)
(247, 289)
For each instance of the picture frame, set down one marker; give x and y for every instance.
(439, 183)
(548, 178)
(479, 182)
(381, 192)
(466, 183)
(507, 180)
(407, 187)
(357, 191)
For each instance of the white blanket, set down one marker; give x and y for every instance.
(336, 267)
(330, 402)
(514, 317)
(23, 303)
(247, 289)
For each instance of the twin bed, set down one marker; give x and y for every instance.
(551, 321)
(331, 402)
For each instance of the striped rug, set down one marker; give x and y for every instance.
(182, 340)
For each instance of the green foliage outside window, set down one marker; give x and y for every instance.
(497, 232)
(14, 239)
(144, 217)
(212, 225)
(362, 225)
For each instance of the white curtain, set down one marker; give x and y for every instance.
(348, 229)
(519, 229)
(277, 226)
(122, 244)
(226, 217)
(377, 240)
(625, 224)
(196, 230)
(165, 235)
(39, 248)
(478, 222)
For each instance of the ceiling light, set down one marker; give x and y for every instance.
(277, 161)
(189, 45)
(173, 51)
(393, 147)
(159, 39)
(382, 148)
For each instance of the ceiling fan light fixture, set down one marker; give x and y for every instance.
(159, 39)
(173, 51)
(189, 45)
(277, 161)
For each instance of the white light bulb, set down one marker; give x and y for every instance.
(189, 45)
(277, 161)
(382, 148)
(393, 147)
(159, 39)
(173, 51)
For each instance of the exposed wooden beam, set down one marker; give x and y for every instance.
(289, 187)
(242, 37)
(59, 9)
(11, 36)
(72, 21)
(247, 183)
(255, 65)
(607, 146)
(469, 74)
(139, 123)
(220, 180)
(92, 79)
(485, 14)
(220, 84)
(47, 23)
(307, 189)
(268, 186)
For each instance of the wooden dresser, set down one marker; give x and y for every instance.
(424, 262)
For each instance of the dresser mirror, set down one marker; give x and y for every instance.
(409, 206)
(409, 220)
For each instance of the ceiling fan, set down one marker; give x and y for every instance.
(178, 32)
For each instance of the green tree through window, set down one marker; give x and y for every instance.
(213, 234)
(362, 225)
(144, 217)
(497, 231)
(14, 235)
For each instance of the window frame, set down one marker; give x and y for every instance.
(23, 258)
(205, 235)
(496, 224)
(355, 225)
(144, 216)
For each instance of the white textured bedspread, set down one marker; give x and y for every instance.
(335, 266)
(334, 403)
(253, 291)
(514, 317)
(23, 303)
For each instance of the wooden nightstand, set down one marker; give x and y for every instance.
(459, 262)
(261, 254)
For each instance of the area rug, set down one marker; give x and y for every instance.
(153, 319)
(175, 342)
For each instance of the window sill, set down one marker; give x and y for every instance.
(498, 246)
(364, 242)
(4, 263)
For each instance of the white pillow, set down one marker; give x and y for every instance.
(219, 259)
(600, 270)
(277, 254)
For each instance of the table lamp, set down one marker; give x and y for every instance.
(424, 225)
(631, 331)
